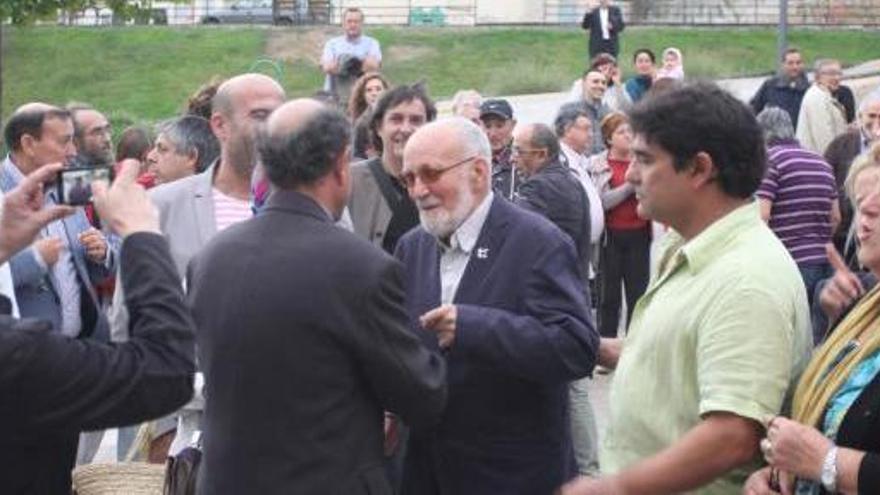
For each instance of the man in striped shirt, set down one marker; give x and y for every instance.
(798, 198)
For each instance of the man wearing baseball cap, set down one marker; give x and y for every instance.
(497, 117)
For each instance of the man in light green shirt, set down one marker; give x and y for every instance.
(723, 329)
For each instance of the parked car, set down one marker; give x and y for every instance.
(251, 12)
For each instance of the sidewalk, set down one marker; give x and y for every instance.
(542, 107)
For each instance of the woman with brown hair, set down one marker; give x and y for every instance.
(625, 251)
(365, 94)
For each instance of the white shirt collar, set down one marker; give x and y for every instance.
(13, 169)
(466, 235)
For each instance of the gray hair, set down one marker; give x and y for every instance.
(821, 63)
(466, 97)
(473, 138)
(873, 97)
(191, 135)
(567, 116)
(776, 124)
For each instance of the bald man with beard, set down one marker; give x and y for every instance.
(194, 209)
(303, 339)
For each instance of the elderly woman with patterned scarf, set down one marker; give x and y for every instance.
(832, 443)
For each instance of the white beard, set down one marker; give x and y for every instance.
(442, 223)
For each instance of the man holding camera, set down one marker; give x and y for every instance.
(52, 386)
(54, 278)
(347, 57)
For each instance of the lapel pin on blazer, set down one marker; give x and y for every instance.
(482, 253)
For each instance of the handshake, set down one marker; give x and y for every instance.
(124, 206)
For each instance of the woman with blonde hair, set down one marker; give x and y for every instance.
(365, 94)
(832, 443)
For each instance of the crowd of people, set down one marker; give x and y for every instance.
(387, 301)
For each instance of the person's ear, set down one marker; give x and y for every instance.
(28, 143)
(219, 126)
(702, 170)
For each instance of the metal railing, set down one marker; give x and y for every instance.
(491, 12)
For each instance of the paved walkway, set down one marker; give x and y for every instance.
(542, 107)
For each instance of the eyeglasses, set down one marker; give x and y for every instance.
(430, 175)
(516, 150)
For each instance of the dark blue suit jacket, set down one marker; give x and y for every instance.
(35, 291)
(522, 333)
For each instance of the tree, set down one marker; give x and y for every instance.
(28, 11)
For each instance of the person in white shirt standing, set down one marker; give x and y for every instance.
(605, 23)
(347, 57)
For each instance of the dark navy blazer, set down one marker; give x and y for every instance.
(522, 334)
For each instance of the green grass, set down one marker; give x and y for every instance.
(139, 72)
(146, 73)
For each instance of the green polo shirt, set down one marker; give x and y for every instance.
(723, 326)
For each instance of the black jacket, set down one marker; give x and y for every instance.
(303, 341)
(593, 22)
(783, 93)
(555, 193)
(53, 387)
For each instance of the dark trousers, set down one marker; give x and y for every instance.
(625, 258)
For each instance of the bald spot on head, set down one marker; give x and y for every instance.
(439, 137)
(231, 90)
(34, 106)
(292, 116)
(523, 134)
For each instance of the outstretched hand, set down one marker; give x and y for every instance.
(24, 212)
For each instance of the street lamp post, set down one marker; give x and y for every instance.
(782, 40)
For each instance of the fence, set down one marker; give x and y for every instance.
(490, 12)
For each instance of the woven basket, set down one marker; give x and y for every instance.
(124, 478)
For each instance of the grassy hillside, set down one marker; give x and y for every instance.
(145, 73)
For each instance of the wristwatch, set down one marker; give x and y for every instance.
(828, 478)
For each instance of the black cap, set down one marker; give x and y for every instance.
(499, 108)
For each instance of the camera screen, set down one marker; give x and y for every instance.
(75, 185)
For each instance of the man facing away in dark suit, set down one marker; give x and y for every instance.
(53, 386)
(303, 337)
(496, 288)
(605, 23)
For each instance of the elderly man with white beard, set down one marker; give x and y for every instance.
(496, 289)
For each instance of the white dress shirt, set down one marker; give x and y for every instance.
(6, 286)
(455, 256)
(578, 163)
(603, 19)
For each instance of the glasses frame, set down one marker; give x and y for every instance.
(431, 175)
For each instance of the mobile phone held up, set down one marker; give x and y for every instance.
(74, 186)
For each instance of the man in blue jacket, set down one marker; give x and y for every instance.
(496, 289)
(785, 90)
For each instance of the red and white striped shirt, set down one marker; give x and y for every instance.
(229, 211)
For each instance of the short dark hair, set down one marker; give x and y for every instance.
(395, 96)
(543, 137)
(29, 122)
(601, 59)
(305, 155)
(788, 51)
(75, 107)
(568, 115)
(701, 117)
(646, 51)
(134, 142)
